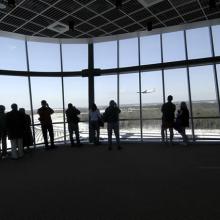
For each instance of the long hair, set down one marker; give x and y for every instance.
(183, 106)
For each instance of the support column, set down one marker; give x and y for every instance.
(90, 81)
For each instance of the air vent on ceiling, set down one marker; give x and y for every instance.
(58, 27)
(148, 3)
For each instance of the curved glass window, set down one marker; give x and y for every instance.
(105, 90)
(198, 43)
(152, 99)
(176, 84)
(49, 89)
(44, 57)
(76, 92)
(216, 37)
(203, 91)
(150, 49)
(105, 55)
(14, 89)
(12, 54)
(128, 52)
(75, 57)
(173, 46)
(130, 106)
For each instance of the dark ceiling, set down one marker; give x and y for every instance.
(95, 18)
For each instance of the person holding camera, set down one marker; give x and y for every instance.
(45, 113)
(72, 119)
(111, 116)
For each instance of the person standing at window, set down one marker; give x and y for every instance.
(182, 121)
(111, 116)
(3, 131)
(27, 134)
(15, 126)
(168, 114)
(45, 113)
(72, 119)
(95, 119)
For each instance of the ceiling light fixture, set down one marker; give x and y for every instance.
(2, 4)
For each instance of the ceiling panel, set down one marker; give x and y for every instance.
(100, 17)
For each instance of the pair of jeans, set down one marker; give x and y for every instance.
(17, 143)
(3, 142)
(73, 127)
(95, 131)
(115, 127)
(47, 128)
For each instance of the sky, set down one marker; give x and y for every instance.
(46, 57)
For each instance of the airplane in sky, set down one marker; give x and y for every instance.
(148, 91)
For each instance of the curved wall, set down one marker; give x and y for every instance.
(140, 117)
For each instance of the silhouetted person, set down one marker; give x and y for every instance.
(3, 131)
(72, 119)
(168, 115)
(15, 127)
(45, 113)
(95, 118)
(182, 121)
(111, 116)
(27, 133)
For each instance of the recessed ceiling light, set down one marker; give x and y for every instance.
(2, 5)
(148, 3)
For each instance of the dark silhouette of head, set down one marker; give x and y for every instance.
(183, 105)
(94, 107)
(2, 108)
(44, 103)
(70, 105)
(22, 110)
(169, 98)
(112, 103)
(14, 107)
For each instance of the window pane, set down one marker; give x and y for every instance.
(198, 43)
(152, 99)
(49, 89)
(207, 128)
(173, 46)
(44, 57)
(203, 91)
(216, 37)
(150, 49)
(105, 90)
(12, 54)
(176, 85)
(75, 57)
(14, 89)
(105, 55)
(218, 75)
(129, 105)
(128, 52)
(76, 92)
